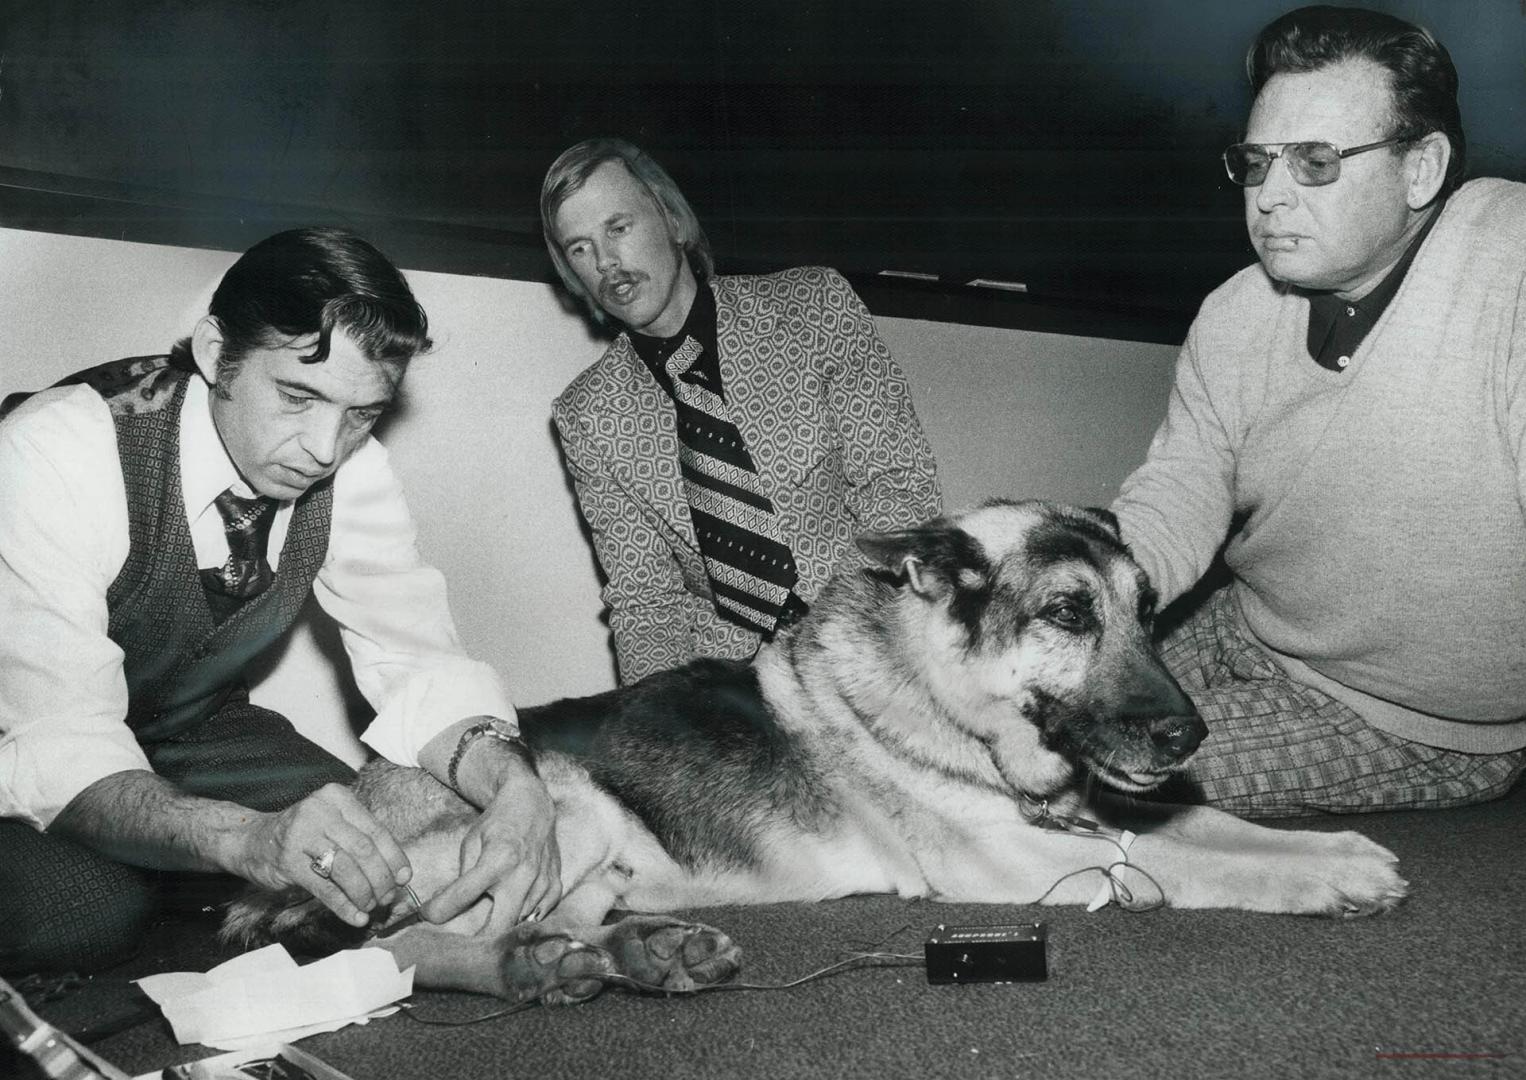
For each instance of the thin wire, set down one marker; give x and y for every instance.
(855, 961)
(408, 1011)
(871, 957)
(851, 963)
(1122, 895)
(873, 946)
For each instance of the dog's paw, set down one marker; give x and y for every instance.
(660, 953)
(552, 968)
(1372, 883)
(1349, 877)
(1356, 845)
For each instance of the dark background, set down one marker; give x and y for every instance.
(1069, 145)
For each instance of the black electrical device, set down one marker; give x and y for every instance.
(987, 954)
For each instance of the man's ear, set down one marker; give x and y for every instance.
(1428, 161)
(207, 347)
(936, 559)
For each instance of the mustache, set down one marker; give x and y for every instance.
(618, 278)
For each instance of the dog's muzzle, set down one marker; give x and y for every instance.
(1177, 737)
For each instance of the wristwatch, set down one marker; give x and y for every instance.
(490, 728)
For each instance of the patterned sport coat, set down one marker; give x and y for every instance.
(828, 420)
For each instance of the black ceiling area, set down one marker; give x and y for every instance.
(1069, 146)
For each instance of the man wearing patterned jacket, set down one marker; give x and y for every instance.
(738, 433)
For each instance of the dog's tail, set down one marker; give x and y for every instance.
(290, 916)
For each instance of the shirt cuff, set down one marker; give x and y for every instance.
(431, 701)
(38, 777)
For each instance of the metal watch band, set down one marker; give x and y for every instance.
(491, 729)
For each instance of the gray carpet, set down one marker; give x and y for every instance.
(1160, 994)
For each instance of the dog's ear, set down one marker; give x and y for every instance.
(936, 559)
(1106, 518)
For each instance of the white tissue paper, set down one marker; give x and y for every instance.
(264, 997)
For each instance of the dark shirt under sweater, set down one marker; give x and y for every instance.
(1337, 327)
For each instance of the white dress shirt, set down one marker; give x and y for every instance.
(64, 538)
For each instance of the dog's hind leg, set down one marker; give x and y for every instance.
(602, 850)
(661, 953)
(565, 966)
(529, 963)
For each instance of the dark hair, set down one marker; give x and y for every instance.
(311, 281)
(571, 171)
(1421, 77)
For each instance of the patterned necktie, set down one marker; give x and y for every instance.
(246, 523)
(751, 570)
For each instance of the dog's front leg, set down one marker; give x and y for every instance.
(1202, 857)
(1017, 862)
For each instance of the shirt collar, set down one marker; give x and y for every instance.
(700, 325)
(206, 471)
(1326, 309)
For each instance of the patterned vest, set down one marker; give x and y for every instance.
(181, 665)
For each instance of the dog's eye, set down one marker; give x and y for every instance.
(1067, 616)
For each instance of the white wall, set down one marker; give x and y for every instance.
(1008, 413)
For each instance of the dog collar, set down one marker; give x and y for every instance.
(1038, 812)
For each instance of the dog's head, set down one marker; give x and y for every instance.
(1036, 629)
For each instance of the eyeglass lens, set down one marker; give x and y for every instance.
(1312, 164)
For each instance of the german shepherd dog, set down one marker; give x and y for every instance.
(932, 729)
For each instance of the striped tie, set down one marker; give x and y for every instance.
(751, 570)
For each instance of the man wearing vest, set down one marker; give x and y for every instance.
(165, 518)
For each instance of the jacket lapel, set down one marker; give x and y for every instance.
(772, 385)
(642, 439)
(770, 378)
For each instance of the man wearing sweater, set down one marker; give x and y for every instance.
(1350, 416)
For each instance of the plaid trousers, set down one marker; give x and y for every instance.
(1278, 748)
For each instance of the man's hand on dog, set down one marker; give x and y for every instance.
(291, 847)
(509, 855)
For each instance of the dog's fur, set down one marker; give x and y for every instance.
(909, 736)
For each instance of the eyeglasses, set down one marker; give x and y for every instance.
(1313, 164)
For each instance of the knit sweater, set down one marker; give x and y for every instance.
(1380, 553)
